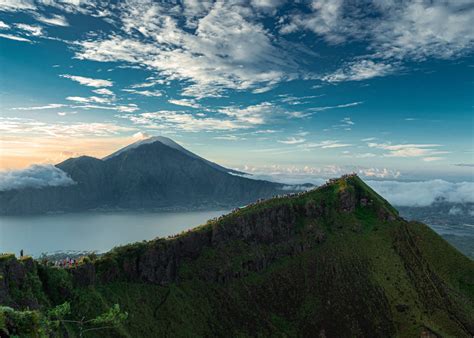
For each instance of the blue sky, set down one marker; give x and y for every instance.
(269, 86)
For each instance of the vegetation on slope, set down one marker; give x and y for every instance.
(336, 262)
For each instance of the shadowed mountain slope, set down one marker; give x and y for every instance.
(153, 174)
(336, 261)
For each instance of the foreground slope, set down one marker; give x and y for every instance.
(153, 174)
(333, 262)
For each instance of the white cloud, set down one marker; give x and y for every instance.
(166, 119)
(315, 175)
(22, 126)
(229, 138)
(252, 115)
(14, 37)
(30, 30)
(432, 158)
(358, 155)
(345, 105)
(419, 30)
(410, 150)
(327, 144)
(130, 108)
(393, 31)
(149, 93)
(3, 25)
(35, 176)
(424, 193)
(186, 103)
(64, 113)
(90, 82)
(141, 135)
(292, 140)
(91, 99)
(103, 91)
(267, 5)
(227, 49)
(324, 19)
(48, 106)
(346, 124)
(455, 211)
(359, 70)
(16, 5)
(54, 20)
(378, 172)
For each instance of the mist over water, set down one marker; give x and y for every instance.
(92, 231)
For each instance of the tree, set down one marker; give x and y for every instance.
(108, 320)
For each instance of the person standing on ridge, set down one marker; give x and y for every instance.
(21, 253)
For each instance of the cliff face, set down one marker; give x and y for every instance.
(332, 262)
(20, 286)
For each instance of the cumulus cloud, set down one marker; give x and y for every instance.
(424, 193)
(87, 81)
(35, 176)
(398, 193)
(393, 31)
(315, 175)
(16, 5)
(226, 49)
(30, 29)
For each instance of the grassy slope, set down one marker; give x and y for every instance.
(368, 278)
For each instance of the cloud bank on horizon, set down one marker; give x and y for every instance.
(336, 82)
(35, 176)
(411, 194)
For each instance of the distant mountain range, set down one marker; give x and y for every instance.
(156, 173)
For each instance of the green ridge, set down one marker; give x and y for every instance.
(336, 261)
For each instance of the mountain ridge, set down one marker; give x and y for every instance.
(147, 176)
(337, 261)
(170, 143)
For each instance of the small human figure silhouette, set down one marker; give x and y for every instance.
(21, 253)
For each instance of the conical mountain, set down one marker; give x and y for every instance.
(153, 174)
(172, 144)
(336, 261)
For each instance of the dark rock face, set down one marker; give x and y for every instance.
(159, 262)
(17, 278)
(84, 275)
(151, 176)
(267, 226)
(348, 201)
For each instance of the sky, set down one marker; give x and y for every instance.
(272, 87)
